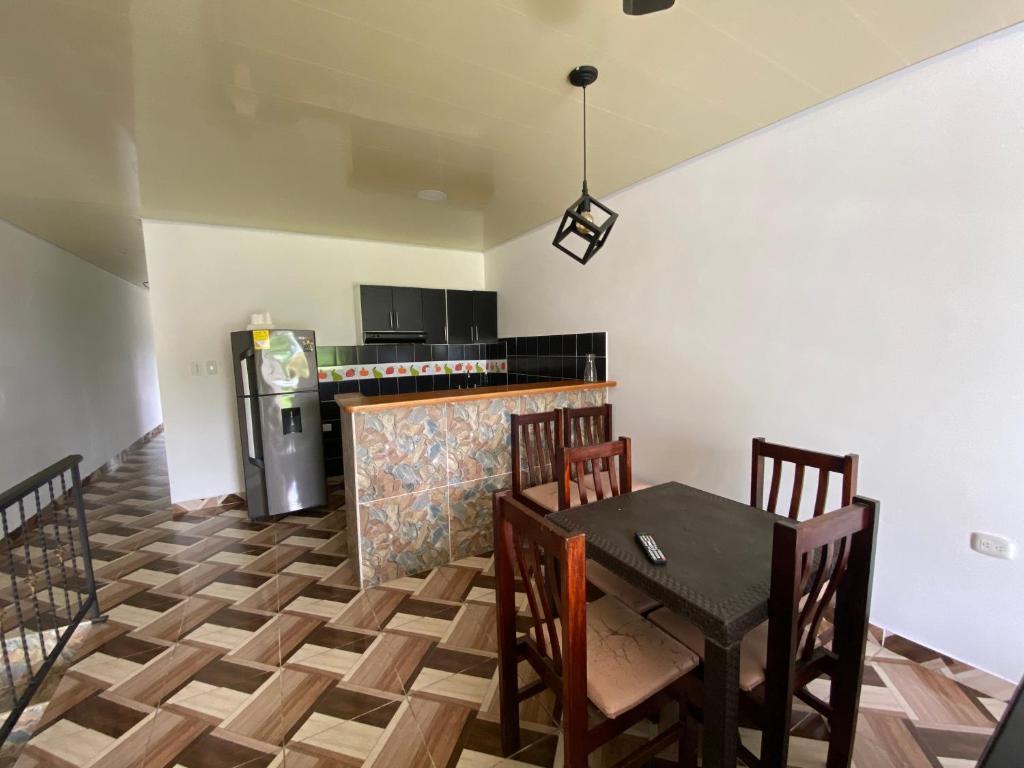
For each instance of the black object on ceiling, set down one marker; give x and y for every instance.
(583, 233)
(640, 7)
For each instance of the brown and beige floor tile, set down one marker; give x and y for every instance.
(240, 644)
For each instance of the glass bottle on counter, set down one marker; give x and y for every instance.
(590, 369)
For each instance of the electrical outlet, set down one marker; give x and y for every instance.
(211, 367)
(993, 545)
(197, 368)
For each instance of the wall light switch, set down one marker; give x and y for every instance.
(326, 427)
(197, 368)
(993, 546)
(211, 367)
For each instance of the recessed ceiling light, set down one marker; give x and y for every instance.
(433, 195)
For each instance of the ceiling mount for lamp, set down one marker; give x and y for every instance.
(587, 222)
(641, 7)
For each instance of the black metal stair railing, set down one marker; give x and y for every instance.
(49, 586)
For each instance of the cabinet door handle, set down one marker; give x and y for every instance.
(395, 326)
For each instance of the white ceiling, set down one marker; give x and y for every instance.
(327, 116)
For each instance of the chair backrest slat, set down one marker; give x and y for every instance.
(801, 459)
(773, 495)
(822, 496)
(798, 489)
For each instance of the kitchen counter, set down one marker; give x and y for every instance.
(354, 403)
(420, 470)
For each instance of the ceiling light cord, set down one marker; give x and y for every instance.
(584, 139)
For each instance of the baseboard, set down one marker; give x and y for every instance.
(118, 460)
(984, 682)
(32, 523)
(224, 501)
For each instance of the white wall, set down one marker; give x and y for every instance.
(207, 280)
(849, 280)
(77, 366)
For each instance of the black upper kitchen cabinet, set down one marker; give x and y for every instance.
(408, 308)
(485, 315)
(472, 316)
(387, 308)
(434, 315)
(376, 307)
(461, 328)
(452, 317)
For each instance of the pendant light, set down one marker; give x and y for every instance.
(587, 222)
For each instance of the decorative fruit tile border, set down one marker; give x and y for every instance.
(396, 370)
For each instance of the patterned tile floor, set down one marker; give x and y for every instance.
(238, 644)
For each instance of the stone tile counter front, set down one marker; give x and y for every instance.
(420, 470)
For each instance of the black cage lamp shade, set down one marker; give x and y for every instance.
(583, 230)
(586, 223)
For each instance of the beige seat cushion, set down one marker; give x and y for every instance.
(633, 597)
(546, 495)
(588, 481)
(628, 658)
(753, 647)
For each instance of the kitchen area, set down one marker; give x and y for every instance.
(414, 421)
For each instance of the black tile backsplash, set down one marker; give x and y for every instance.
(539, 358)
(584, 343)
(531, 359)
(545, 358)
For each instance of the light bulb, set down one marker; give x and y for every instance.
(583, 230)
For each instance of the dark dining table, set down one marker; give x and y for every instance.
(717, 574)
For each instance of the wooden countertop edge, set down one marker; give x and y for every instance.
(353, 403)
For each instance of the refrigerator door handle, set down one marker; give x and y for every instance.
(252, 428)
(252, 414)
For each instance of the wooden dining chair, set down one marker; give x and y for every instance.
(573, 467)
(825, 463)
(591, 425)
(578, 650)
(536, 438)
(813, 562)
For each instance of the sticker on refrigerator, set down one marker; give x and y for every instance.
(261, 339)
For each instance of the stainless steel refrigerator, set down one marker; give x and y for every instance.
(279, 420)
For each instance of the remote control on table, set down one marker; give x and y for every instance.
(651, 548)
